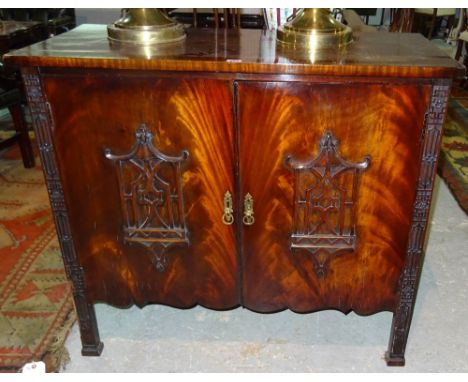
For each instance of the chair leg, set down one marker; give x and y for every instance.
(23, 136)
(433, 24)
(459, 49)
(195, 18)
(216, 17)
(226, 18)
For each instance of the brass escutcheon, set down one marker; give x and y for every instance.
(228, 217)
(248, 218)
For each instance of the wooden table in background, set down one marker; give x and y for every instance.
(17, 34)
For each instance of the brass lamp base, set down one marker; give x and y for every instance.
(145, 26)
(314, 28)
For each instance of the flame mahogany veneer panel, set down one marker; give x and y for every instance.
(94, 113)
(382, 121)
(275, 119)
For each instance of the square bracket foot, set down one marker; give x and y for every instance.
(92, 350)
(394, 360)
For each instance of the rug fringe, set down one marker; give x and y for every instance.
(57, 357)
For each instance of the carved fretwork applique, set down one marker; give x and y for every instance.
(324, 204)
(151, 196)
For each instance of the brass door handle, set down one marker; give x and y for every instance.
(248, 218)
(228, 217)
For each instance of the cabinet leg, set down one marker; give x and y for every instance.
(22, 129)
(394, 360)
(91, 343)
(395, 356)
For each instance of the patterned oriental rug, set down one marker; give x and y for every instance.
(36, 306)
(453, 163)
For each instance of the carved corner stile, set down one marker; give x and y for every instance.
(432, 133)
(42, 121)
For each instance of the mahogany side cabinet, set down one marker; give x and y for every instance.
(227, 171)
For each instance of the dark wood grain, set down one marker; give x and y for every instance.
(291, 119)
(243, 51)
(193, 116)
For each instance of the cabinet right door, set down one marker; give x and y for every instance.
(328, 180)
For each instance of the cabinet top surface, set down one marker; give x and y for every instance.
(242, 51)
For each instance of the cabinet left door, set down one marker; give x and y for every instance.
(145, 162)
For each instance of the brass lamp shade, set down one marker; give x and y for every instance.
(314, 28)
(145, 26)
